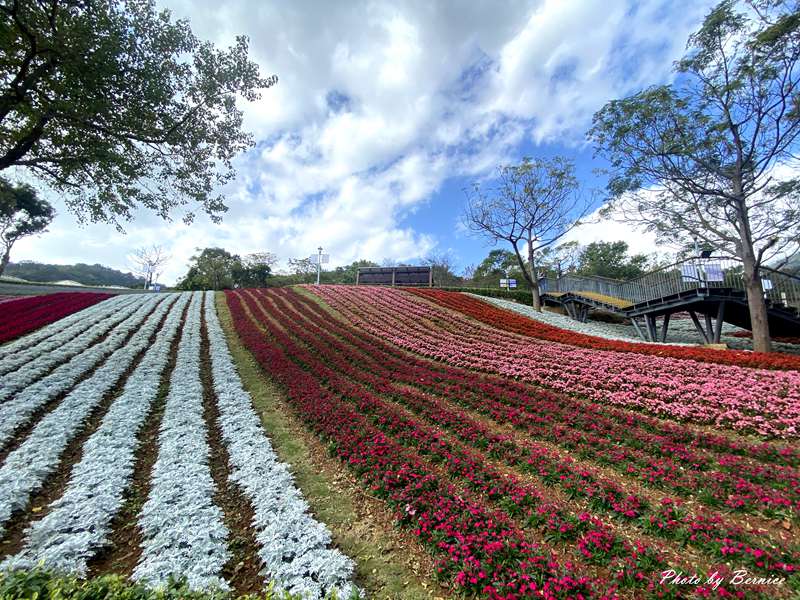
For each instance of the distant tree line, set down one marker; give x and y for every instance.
(82, 273)
(598, 259)
(218, 269)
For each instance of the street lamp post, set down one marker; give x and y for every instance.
(319, 263)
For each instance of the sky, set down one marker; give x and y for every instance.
(386, 111)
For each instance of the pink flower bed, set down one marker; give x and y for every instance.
(743, 399)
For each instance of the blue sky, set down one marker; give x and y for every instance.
(385, 111)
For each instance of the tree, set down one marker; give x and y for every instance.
(116, 106)
(348, 273)
(536, 202)
(701, 157)
(557, 260)
(82, 273)
(254, 270)
(22, 213)
(211, 269)
(468, 272)
(148, 262)
(497, 264)
(610, 259)
(302, 266)
(442, 265)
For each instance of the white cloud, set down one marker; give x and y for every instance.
(611, 229)
(379, 103)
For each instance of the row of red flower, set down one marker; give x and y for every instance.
(509, 321)
(734, 481)
(339, 370)
(683, 441)
(779, 338)
(481, 550)
(372, 366)
(586, 427)
(26, 314)
(750, 400)
(592, 541)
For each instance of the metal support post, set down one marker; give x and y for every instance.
(319, 263)
(698, 326)
(650, 321)
(709, 328)
(720, 317)
(635, 324)
(664, 329)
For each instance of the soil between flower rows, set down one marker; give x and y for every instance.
(281, 307)
(502, 489)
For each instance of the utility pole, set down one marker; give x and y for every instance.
(319, 263)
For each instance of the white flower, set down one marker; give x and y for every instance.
(183, 532)
(79, 522)
(295, 548)
(26, 468)
(53, 336)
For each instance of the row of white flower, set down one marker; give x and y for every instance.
(18, 410)
(26, 468)
(68, 348)
(43, 334)
(35, 344)
(183, 530)
(295, 548)
(78, 523)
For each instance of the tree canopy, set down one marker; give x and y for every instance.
(611, 259)
(22, 213)
(534, 203)
(497, 264)
(707, 157)
(80, 272)
(218, 269)
(117, 106)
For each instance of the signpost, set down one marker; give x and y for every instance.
(318, 259)
(714, 272)
(508, 283)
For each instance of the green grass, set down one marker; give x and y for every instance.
(380, 559)
(38, 584)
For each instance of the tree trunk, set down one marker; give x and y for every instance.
(534, 281)
(756, 305)
(759, 324)
(5, 259)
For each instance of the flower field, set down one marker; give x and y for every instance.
(26, 314)
(520, 463)
(761, 401)
(530, 472)
(509, 321)
(125, 438)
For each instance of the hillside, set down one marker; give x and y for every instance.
(82, 273)
(387, 441)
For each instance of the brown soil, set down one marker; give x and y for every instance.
(370, 536)
(243, 568)
(683, 557)
(375, 522)
(22, 432)
(124, 549)
(563, 550)
(54, 486)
